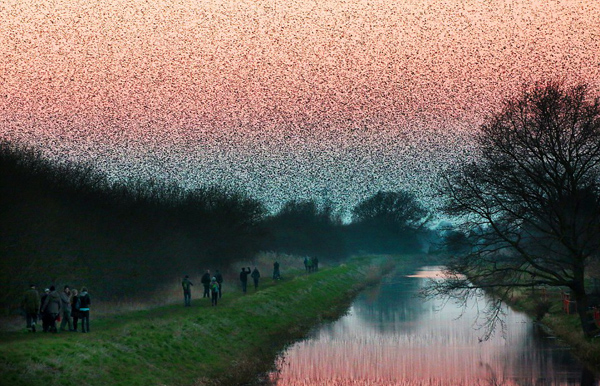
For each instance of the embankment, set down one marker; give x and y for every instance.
(200, 345)
(556, 322)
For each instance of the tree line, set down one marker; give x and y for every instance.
(68, 223)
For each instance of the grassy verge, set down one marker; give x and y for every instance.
(558, 323)
(200, 345)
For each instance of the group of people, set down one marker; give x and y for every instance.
(70, 306)
(213, 285)
(254, 274)
(311, 264)
(66, 307)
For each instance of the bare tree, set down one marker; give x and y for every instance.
(531, 199)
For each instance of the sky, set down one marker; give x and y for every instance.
(284, 99)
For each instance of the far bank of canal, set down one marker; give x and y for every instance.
(391, 336)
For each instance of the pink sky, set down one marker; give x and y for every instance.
(286, 61)
(100, 73)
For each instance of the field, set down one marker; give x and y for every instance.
(199, 345)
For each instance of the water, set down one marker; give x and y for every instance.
(392, 337)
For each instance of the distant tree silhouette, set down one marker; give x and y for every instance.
(400, 208)
(456, 242)
(306, 228)
(388, 222)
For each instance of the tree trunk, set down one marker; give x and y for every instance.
(588, 323)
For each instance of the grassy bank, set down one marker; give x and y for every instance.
(558, 323)
(173, 345)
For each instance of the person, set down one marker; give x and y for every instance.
(45, 321)
(186, 284)
(315, 264)
(205, 280)
(75, 304)
(276, 274)
(84, 309)
(309, 264)
(31, 305)
(65, 298)
(219, 278)
(244, 278)
(52, 309)
(306, 263)
(255, 276)
(214, 291)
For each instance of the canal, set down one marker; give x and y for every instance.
(390, 336)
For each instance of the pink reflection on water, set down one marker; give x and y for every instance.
(437, 348)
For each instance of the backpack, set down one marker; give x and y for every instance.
(186, 285)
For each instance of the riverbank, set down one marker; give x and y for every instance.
(557, 323)
(200, 345)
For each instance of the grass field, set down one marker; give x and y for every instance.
(199, 345)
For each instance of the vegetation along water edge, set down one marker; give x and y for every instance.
(551, 309)
(548, 311)
(199, 345)
(555, 318)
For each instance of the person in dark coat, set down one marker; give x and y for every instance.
(276, 274)
(306, 263)
(75, 305)
(205, 280)
(52, 308)
(65, 298)
(31, 305)
(316, 264)
(244, 278)
(45, 318)
(186, 284)
(255, 276)
(214, 291)
(219, 278)
(84, 309)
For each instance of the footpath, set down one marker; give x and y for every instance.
(199, 345)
